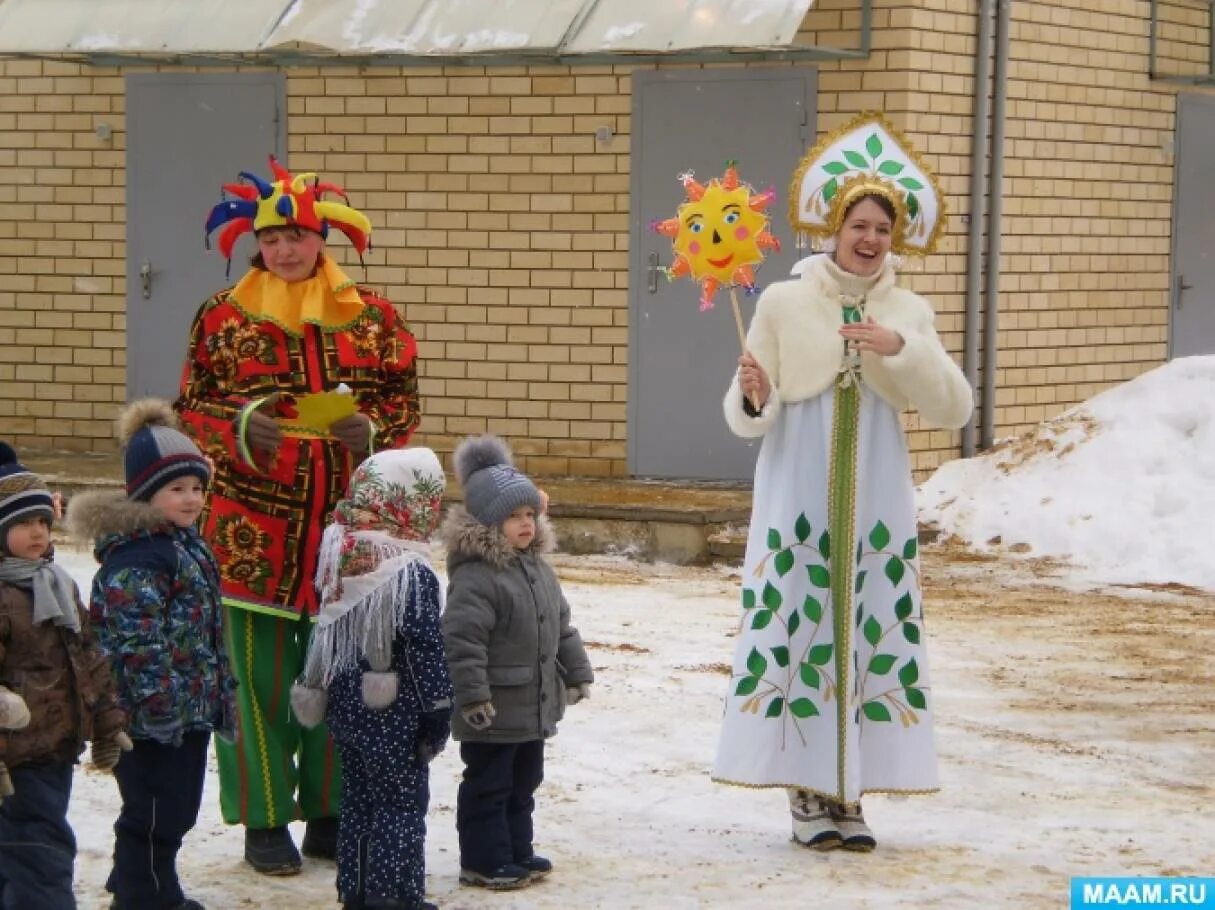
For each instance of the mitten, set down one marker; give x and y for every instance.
(479, 716)
(6, 783)
(14, 713)
(108, 750)
(309, 704)
(379, 689)
(434, 728)
(575, 694)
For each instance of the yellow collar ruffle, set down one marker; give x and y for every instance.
(328, 299)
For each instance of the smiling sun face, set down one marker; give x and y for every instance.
(719, 234)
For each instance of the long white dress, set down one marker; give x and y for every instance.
(830, 689)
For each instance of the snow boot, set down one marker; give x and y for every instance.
(851, 824)
(813, 824)
(506, 877)
(320, 838)
(271, 851)
(537, 866)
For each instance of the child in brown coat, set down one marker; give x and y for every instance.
(56, 692)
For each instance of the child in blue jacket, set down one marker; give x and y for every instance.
(156, 607)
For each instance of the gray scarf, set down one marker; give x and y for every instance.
(54, 590)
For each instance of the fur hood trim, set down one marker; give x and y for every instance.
(93, 516)
(466, 538)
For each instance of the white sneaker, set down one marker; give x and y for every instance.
(852, 828)
(812, 823)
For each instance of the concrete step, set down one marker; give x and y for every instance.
(670, 521)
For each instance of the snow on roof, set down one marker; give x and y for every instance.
(1122, 486)
(428, 28)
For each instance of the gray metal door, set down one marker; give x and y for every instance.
(186, 135)
(1192, 323)
(681, 360)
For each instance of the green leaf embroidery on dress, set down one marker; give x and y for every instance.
(819, 576)
(881, 664)
(813, 609)
(875, 710)
(783, 562)
(803, 708)
(756, 663)
(879, 536)
(802, 528)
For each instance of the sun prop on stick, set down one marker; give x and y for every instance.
(719, 236)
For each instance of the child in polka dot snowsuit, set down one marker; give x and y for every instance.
(376, 673)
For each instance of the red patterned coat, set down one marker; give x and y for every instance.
(264, 520)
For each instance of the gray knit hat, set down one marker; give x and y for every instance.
(493, 486)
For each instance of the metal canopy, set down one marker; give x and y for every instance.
(409, 32)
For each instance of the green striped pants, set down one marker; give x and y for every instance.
(277, 771)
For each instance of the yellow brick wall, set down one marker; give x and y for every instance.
(502, 225)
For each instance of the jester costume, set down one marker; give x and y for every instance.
(830, 695)
(266, 513)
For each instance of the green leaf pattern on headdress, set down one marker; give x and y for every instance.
(868, 155)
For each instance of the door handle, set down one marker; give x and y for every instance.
(1180, 287)
(653, 272)
(145, 279)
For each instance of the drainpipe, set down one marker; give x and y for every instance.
(991, 319)
(974, 238)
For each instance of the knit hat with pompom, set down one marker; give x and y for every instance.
(22, 494)
(157, 452)
(493, 486)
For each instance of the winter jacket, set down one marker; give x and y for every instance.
(423, 682)
(507, 632)
(795, 337)
(156, 606)
(64, 678)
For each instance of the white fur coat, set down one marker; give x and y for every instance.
(795, 337)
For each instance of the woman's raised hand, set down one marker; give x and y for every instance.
(753, 380)
(870, 337)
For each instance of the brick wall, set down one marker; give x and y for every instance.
(502, 226)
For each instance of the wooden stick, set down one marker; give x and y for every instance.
(742, 338)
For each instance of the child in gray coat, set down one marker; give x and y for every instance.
(515, 661)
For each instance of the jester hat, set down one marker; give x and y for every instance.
(868, 156)
(286, 202)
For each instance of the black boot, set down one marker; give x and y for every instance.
(271, 851)
(320, 838)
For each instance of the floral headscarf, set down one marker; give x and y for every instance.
(378, 532)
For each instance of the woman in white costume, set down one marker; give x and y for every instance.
(829, 696)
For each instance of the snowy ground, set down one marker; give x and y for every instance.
(1076, 735)
(1122, 486)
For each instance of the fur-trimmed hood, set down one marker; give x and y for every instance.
(466, 538)
(103, 515)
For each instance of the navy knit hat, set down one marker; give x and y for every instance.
(493, 486)
(22, 494)
(156, 451)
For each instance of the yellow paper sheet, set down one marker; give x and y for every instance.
(317, 412)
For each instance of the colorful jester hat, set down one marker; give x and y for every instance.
(719, 234)
(868, 157)
(288, 201)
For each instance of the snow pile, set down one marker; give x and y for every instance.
(1122, 486)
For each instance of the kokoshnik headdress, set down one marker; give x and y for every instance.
(868, 157)
(286, 202)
